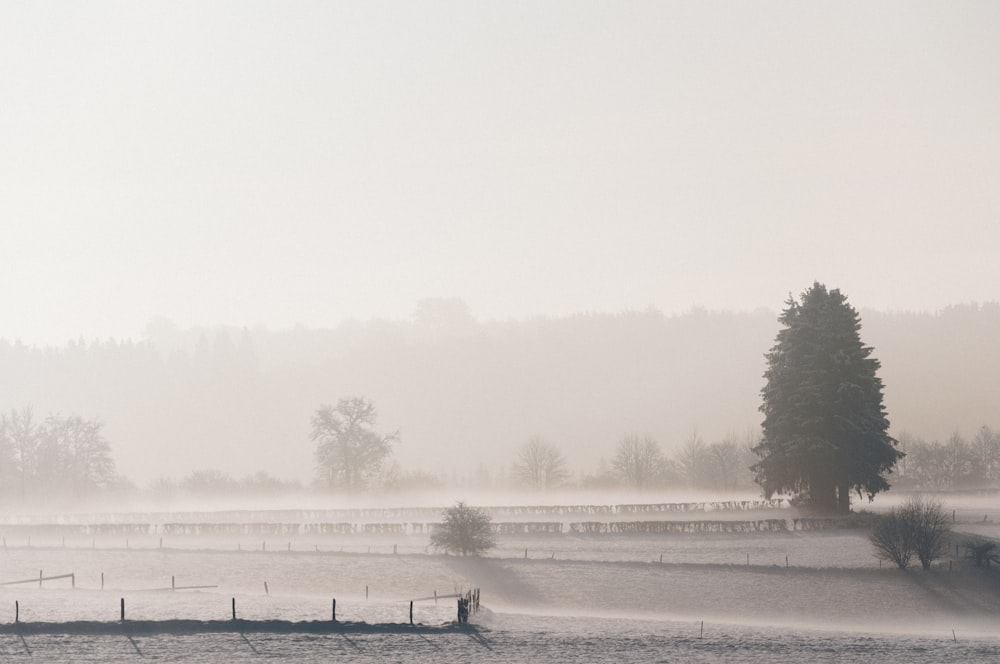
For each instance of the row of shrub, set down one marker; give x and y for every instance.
(343, 528)
(674, 527)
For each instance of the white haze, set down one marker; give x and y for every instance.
(249, 163)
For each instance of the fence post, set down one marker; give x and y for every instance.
(39, 578)
(17, 611)
(333, 610)
(173, 583)
(123, 609)
(411, 611)
(266, 591)
(234, 608)
(72, 579)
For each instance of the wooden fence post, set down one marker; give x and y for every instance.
(39, 578)
(123, 609)
(333, 610)
(17, 611)
(411, 611)
(234, 608)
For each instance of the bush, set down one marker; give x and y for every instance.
(918, 527)
(465, 530)
(929, 527)
(982, 551)
(891, 538)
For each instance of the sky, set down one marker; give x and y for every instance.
(274, 163)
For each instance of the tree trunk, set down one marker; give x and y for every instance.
(843, 497)
(823, 494)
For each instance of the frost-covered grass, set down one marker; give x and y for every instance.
(589, 598)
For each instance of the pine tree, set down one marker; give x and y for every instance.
(825, 427)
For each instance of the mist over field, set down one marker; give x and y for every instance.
(464, 394)
(668, 330)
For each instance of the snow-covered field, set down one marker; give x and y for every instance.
(713, 597)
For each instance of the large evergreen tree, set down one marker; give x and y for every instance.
(825, 428)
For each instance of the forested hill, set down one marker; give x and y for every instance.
(465, 394)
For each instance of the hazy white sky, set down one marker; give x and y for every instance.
(303, 162)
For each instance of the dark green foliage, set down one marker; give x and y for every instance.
(825, 428)
(464, 531)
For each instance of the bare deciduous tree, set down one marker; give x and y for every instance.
(540, 465)
(639, 461)
(919, 527)
(75, 455)
(892, 539)
(929, 528)
(20, 437)
(348, 451)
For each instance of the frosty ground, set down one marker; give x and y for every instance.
(789, 596)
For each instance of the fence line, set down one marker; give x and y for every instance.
(41, 578)
(468, 604)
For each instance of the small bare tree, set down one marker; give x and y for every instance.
(892, 540)
(639, 461)
(919, 528)
(540, 465)
(929, 529)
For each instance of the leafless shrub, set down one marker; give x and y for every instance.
(929, 529)
(892, 539)
(919, 528)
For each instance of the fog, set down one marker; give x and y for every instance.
(466, 395)
(244, 164)
(556, 233)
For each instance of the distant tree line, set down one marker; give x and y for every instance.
(213, 483)
(62, 456)
(954, 464)
(188, 396)
(639, 463)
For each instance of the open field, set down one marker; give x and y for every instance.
(572, 597)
